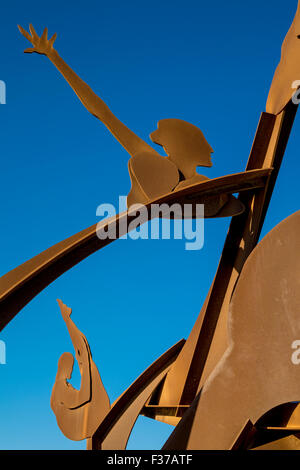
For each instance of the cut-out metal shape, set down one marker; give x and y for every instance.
(22, 284)
(213, 386)
(78, 412)
(256, 372)
(151, 174)
(114, 431)
(86, 413)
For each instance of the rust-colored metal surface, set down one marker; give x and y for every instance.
(232, 384)
(286, 78)
(78, 412)
(151, 174)
(256, 373)
(115, 429)
(22, 284)
(86, 413)
(285, 443)
(275, 430)
(208, 340)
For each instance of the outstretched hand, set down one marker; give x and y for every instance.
(41, 45)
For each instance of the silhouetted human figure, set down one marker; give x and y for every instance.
(152, 175)
(78, 412)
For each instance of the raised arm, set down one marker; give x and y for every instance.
(71, 397)
(95, 105)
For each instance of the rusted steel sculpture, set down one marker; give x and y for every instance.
(285, 78)
(22, 284)
(78, 412)
(151, 174)
(215, 387)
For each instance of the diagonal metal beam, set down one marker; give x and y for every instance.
(19, 286)
(192, 367)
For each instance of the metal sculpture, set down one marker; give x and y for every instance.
(22, 284)
(192, 385)
(78, 412)
(151, 174)
(284, 83)
(256, 373)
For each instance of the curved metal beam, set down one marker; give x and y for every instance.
(127, 407)
(19, 286)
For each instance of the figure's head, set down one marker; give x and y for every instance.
(184, 143)
(65, 366)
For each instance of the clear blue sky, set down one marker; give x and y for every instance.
(209, 63)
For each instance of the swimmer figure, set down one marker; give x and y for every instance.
(78, 412)
(152, 175)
